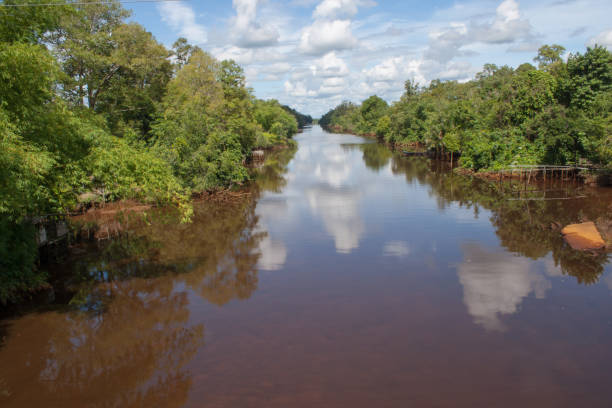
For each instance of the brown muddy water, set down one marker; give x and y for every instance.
(351, 277)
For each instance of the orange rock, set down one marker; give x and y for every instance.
(583, 236)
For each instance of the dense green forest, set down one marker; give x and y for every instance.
(93, 108)
(557, 113)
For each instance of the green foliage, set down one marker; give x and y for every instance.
(533, 91)
(343, 118)
(210, 123)
(129, 98)
(589, 75)
(383, 127)
(121, 171)
(27, 75)
(30, 24)
(372, 109)
(87, 47)
(556, 134)
(596, 127)
(549, 56)
(182, 50)
(302, 120)
(362, 119)
(218, 163)
(452, 141)
(408, 121)
(43, 140)
(23, 170)
(275, 119)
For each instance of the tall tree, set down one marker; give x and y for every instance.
(549, 55)
(144, 70)
(372, 109)
(85, 47)
(589, 75)
(182, 50)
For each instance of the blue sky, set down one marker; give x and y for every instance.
(313, 54)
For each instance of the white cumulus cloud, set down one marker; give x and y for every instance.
(332, 86)
(241, 56)
(247, 30)
(298, 89)
(340, 8)
(507, 27)
(181, 18)
(445, 44)
(278, 68)
(324, 36)
(330, 65)
(604, 38)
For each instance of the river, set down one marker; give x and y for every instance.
(349, 277)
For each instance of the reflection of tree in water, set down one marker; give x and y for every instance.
(215, 254)
(18, 254)
(131, 355)
(218, 250)
(415, 169)
(523, 226)
(271, 177)
(375, 155)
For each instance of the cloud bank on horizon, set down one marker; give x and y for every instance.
(313, 54)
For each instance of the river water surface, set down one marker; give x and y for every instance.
(349, 277)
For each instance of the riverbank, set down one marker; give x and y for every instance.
(595, 177)
(592, 178)
(536, 189)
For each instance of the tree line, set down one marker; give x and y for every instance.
(94, 108)
(559, 112)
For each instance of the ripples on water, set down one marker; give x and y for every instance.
(350, 277)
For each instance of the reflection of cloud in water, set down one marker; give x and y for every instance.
(495, 283)
(396, 248)
(333, 169)
(333, 200)
(271, 208)
(334, 174)
(273, 254)
(334, 154)
(608, 280)
(551, 268)
(339, 210)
